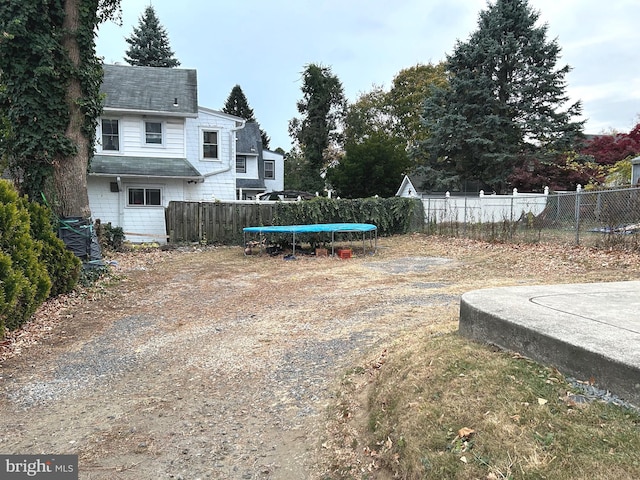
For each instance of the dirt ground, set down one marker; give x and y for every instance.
(208, 364)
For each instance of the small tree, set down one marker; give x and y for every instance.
(371, 167)
(611, 148)
(238, 105)
(410, 88)
(149, 43)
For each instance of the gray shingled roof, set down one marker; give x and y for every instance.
(153, 89)
(248, 138)
(143, 167)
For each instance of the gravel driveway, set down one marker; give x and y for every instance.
(209, 364)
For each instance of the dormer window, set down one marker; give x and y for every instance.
(110, 135)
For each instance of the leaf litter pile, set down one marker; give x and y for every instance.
(205, 363)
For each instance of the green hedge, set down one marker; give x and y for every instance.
(394, 215)
(32, 259)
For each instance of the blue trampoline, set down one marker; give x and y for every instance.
(332, 228)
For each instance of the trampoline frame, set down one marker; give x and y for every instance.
(333, 228)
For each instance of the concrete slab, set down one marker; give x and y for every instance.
(586, 330)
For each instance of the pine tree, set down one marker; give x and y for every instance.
(322, 109)
(505, 100)
(149, 43)
(238, 105)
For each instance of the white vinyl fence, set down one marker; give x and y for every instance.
(483, 208)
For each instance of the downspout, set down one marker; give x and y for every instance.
(232, 144)
(121, 198)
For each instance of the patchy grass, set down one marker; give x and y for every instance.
(432, 404)
(440, 406)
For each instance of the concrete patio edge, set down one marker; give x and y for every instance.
(588, 331)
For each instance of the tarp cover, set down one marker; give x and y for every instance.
(318, 227)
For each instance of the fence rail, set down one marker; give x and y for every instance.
(603, 217)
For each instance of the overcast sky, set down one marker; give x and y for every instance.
(263, 46)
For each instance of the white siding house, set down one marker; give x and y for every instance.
(155, 145)
(258, 171)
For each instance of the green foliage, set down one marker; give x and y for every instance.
(372, 167)
(91, 274)
(370, 114)
(322, 109)
(411, 87)
(62, 265)
(238, 105)
(394, 215)
(619, 174)
(32, 60)
(110, 237)
(149, 43)
(299, 174)
(505, 98)
(50, 97)
(23, 276)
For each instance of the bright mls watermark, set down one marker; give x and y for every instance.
(49, 467)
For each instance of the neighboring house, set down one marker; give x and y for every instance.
(257, 170)
(407, 188)
(155, 145)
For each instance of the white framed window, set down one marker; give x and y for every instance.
(153, 132)
(210, 145)
(269, 170)
(144, 196)
(110, 134)
(241, 164)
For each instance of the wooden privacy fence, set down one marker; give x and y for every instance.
(215, 222)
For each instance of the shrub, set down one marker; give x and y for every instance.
(110, 238)
(24, 278)
(62, 265)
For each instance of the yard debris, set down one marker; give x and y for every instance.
(466, 432)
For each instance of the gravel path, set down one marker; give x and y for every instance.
(210, 364)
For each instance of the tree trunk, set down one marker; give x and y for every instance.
(70, 173)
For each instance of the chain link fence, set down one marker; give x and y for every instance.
(602, 218)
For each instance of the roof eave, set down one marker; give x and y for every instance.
(131, 175)
(157, 113)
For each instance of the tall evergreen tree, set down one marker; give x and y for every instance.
(149, 43)
(322, 108)
(505, 101)
(238, 105)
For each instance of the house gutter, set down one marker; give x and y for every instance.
(232, 144)
(148, 177)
